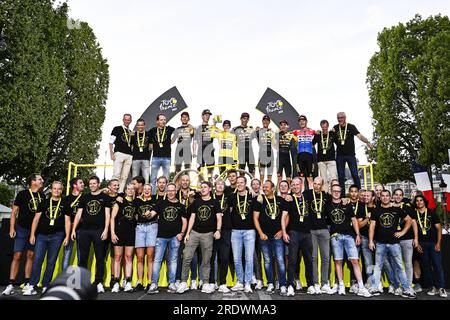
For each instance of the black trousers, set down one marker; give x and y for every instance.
(85, 238)
(300, 241)
(221, 249)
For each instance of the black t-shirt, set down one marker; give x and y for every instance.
(387, 223)
(269, 214)
(27, 206)
(170, 216)
(113, 199)
(265, 138)
(230, 190)
(205, 215)
(241, 220)
(126, 216)
(142, 206)
(93, 216)
(348, 149)
(141, 145)
(123, 139)
(431, 220)
(361, 214)
(52, 221)
(72, 203)
(299, 217)
(225, 209)
(165, 151)
(184, 136)
(330, 151)
(244, 137)
(409, 210)
(285, 142)
(340, 218)
(317, 208)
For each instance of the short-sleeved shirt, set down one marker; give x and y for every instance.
(387, 223)
(299, 217)
(286, 142)
(126, 216)
(93, 216)
(361, 214)
(183, 135)
(72, 202)
(340, 219)
(225, 209)
(170, 216)
(165, 137)
(122, 142)
(142, 206)
(325, 141)
(265, 139)
(270, 212)
(141, 145)
(409, 210)
(56, 213)
(428, 224)
(203, 135)
(241, 212)
(317, 208)
(205, 215)
(244, 137)
(348, 149)
(27, 206)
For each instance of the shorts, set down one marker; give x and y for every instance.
(22, 239)
(341, 242)
(284, 163)
(126, 235)
(146, 235)
(305, 162)
(266, 162)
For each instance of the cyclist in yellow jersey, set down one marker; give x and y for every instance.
(228, 145)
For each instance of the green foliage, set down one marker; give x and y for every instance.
(410, 96)
(6, 195)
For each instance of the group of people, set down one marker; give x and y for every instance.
(229, 228)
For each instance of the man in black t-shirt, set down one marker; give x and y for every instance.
(161, 139)
(121, 151)
(183, 135)
(346, 133)
(205, 225)
(22, 215)
(203, 143)
(244, 136)
(140, 143)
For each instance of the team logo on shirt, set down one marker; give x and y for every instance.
(337, 216)
(128, 212)
(387, 220)
(144, 208)
(31, 204)
(269, 213)
(318, 204)
(170, 213)
(427, 224)
(204, 213)
(93, 207)
(58, 213)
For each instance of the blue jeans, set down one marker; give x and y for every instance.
(246, 239)
(68, 254)
(394, 254)
(268, 248)
(407, 253)
(341, 243)
(431, 258)
(160, 250)
(45, 244)
(352, 165)
(159, 162)
(368, 260)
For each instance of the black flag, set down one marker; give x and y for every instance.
(278, 108)
(169, 104)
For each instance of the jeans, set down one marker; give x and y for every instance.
(85, 238)
(68, 254)
(221, 249)
(393, 251)
(158, 162)
(407, 253)
(341, 243)
(160, 249)
(321, 241)
(122, 166)
(352, 165)
(243, 239)
(432, 259)
(269, 247)
(45, 244)
(368, 260)
(205, 241)
(300, 241)
(141, 165)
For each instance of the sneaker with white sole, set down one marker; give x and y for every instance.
(100, 288)
(224, 289)
(335, 288)
(432, 292)
(380, 288)
(194, 285)
(238, 287)
(277, 285)
(298, 285)
(254, 281)
(442, 293)
(200, 284)
(363, 292)
(43, 290)
(353, 288)
(26, 287)
(270, 288)
(259, 285)
(374, 291)
(248, 288)
(153, 289)
(128, 287)
(172, 288)
(290, 291)
(115, 288)
(30, 291)
(283, 291)
(417, 288)
(391, 289)
(317, 289)
(311, 290)
(410, 293)
(8, 291)
(341, 290)
(326, 289)
(207, 288)
(216, 286)
(398, 291)
(182, 288)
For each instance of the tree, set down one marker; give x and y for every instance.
(6, 195)
(409, 91)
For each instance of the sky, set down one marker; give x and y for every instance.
(222, 55)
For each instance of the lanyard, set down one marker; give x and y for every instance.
(157, 197)
(242, 211)
(424, 225)
(355, 211)
(318, 210)
(302, 212)
(162, 137)
(367, 214)
(186, 202)
(34, 200)
(53, 213)
(272, 210)
(75, 202)
(325, 146)
(145, 200)
(127, 136)
(221, 201)
(345, 134)
(140, 141)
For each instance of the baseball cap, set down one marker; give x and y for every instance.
(245, 115)
(206, 111)
(266, 117)
(228, 122)
(284, 121)
(185, 113)
(302, 117)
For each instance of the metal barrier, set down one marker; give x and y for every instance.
(74, 167)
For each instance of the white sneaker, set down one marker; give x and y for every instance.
(354, 288)
(216, 287)
(224, 289)
(364, 293)
(418, 288)
(115, 288)
(194, 285)
(432, 292)
(238, 287)
(283, 291)
(259, 285)
(380, 288)
(43, 290)
(277, 285)
(341, 290)
(124, 283)
(153, 289)
(8, 291)
(128, 287)
(30, 291)
(311, 290)
(270, 288)
(317, 289)
(200, 284)
(290, 291)
(374, 291)
(248, 288)
(326, 289)
(26, 287)
(100, 288)
(172, 288)
(183, 288)
(398, 291)
(442, 293)
(254, 281)
(391, 289)
(298, 285)
(206, 288)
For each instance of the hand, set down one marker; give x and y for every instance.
(114, 238)
(32, 240)
(278, 235)
(286, 237)
(106, 190)
(119, 199)
(217, 235)
(113, 157)
(104, 236)
(415, 243)
(257, 128)
(186, 239)
(147, 214)
(66, 241)
(358, 240)
(263, 237)
(289, 198)
(419, 249)
(179, 236)
(73, 236)
(437, 247)
(345, 201)
(371, 245)
(191, 193)
(12, 233)
(399, 234)
(370, 146)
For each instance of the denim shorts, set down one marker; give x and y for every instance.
(341, 242)
(22, 239)
(146, 235)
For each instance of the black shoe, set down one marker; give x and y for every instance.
(147, 287)
(410, 294)
(139, 287)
